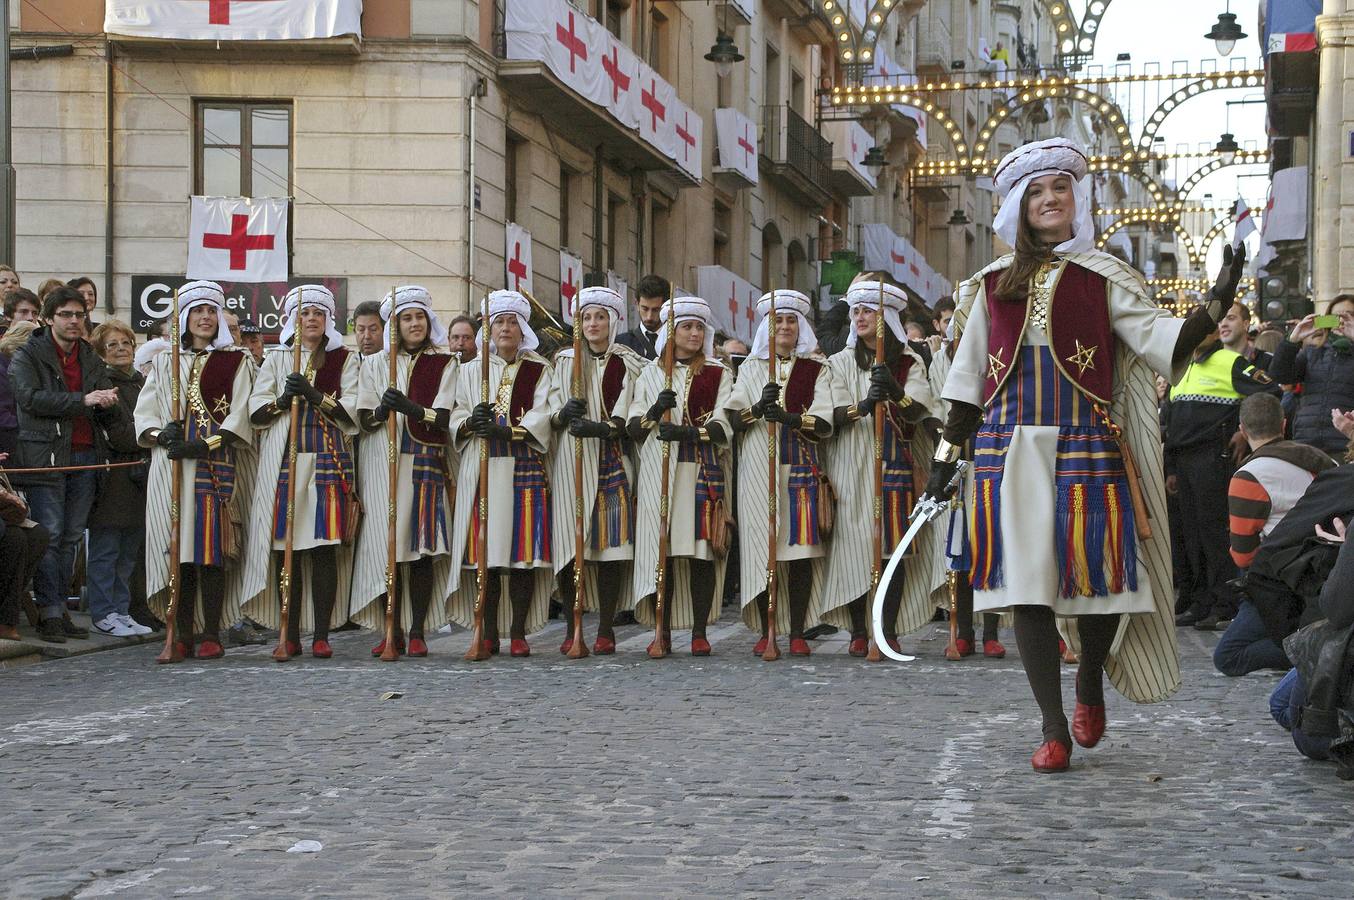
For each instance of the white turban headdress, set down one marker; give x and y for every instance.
(787, 301)
(686, 309)
(1056, 156)
(865, 295)
(605, 298)
(503, 303)
(412, 296)
(205, 293)
(310, 295)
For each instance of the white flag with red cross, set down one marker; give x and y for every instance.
(570, 283)
(239, 239)
(517, 258)
(1245, 223)
(233, 20)
(736, 139)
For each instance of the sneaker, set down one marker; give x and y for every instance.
(112, 624)
(135, 626)
(52, 631)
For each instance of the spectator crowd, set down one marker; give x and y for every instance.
(1257, 436)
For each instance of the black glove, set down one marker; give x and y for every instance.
(381, 412)
(938, 485)
(396, 401)
(1223, 292)
(586, 428)
(776, 413)
(297, 386)
(483, 424)
(572, 409)
(881, 376)
(170, 435)
(666, 400)
(189, 450)
(770, 397)
(670, 432)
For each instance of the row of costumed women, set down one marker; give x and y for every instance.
(321, 417)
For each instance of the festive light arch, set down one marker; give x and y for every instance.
(1195, 258)
(1076, 39)
(1106, 108)
(1223, 81)
(1243, 158)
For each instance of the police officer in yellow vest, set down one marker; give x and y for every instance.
(1202, 449)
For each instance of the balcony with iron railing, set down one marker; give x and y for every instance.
(796, 155)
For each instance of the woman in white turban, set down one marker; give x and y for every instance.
(1052, 378)
(798, 407)
(326, 478)
(698, 431)
(517, 425)
(213, 439)
(899, 392)
(597, 425)
(421, 400)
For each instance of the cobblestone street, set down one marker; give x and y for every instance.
(623, 776)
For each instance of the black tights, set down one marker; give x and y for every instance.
(323, 589)
(893, 602)
(799, 586)
(964, 613)
(702, 574)
(419, 574)
(519, 595)
(609, 577)
(212, 581)
(1037, 637)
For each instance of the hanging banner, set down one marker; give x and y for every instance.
(570, 281)
(736, 141)
(233, 20)
(733, 300)
(237, 239)
(517, 258)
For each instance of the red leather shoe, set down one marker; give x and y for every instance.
(858, 647)
(800, 647)
(381, 647)
(184, 649)
(1088, 724)
(320, 649)
(490, 645)
(210, 650)
(604, 646)
(700, 646)
(293, 648)
(994, 650)
(417, 646)
(565, 647)
(760, 648)
(1052, 756)
(964, 646)
(1068, 656)
(893, 643)
(519, 647)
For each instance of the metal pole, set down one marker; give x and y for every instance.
(6, 158)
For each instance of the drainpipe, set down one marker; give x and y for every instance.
(6, 160)
(109, 303)
(597, 195)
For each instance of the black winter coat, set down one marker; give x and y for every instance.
(1326, 374)
(121, 499)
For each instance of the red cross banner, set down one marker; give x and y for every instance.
(850, 141)
(733, 300)
(736, 140)
(238, 239)
(657, 108)
(688, 130)
(570, 281)
(620, 68)
(233, 20)
(517, 258)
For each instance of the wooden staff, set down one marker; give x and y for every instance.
(171, 654)
(658, 649)
(390, 652)
(577, 648)
(282, 652)
(772, 652)
(879, 413)
(477, 651)
(952, 649)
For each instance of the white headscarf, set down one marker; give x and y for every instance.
(605, 298)
(310, 295)
(503, 303)
(787, 301)
(685, 309)
(412, 296)
(1056, 156)
(865, 295)
(146, 353)
(205, 293)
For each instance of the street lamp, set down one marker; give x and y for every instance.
(724, 53)
(1226, 32)
(1227, 148)
(959, 217)
(875, 161)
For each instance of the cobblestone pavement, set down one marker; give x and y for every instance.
(622, 776)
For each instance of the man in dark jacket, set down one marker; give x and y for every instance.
(1325, 374)
(652, 293)
(66, 402)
